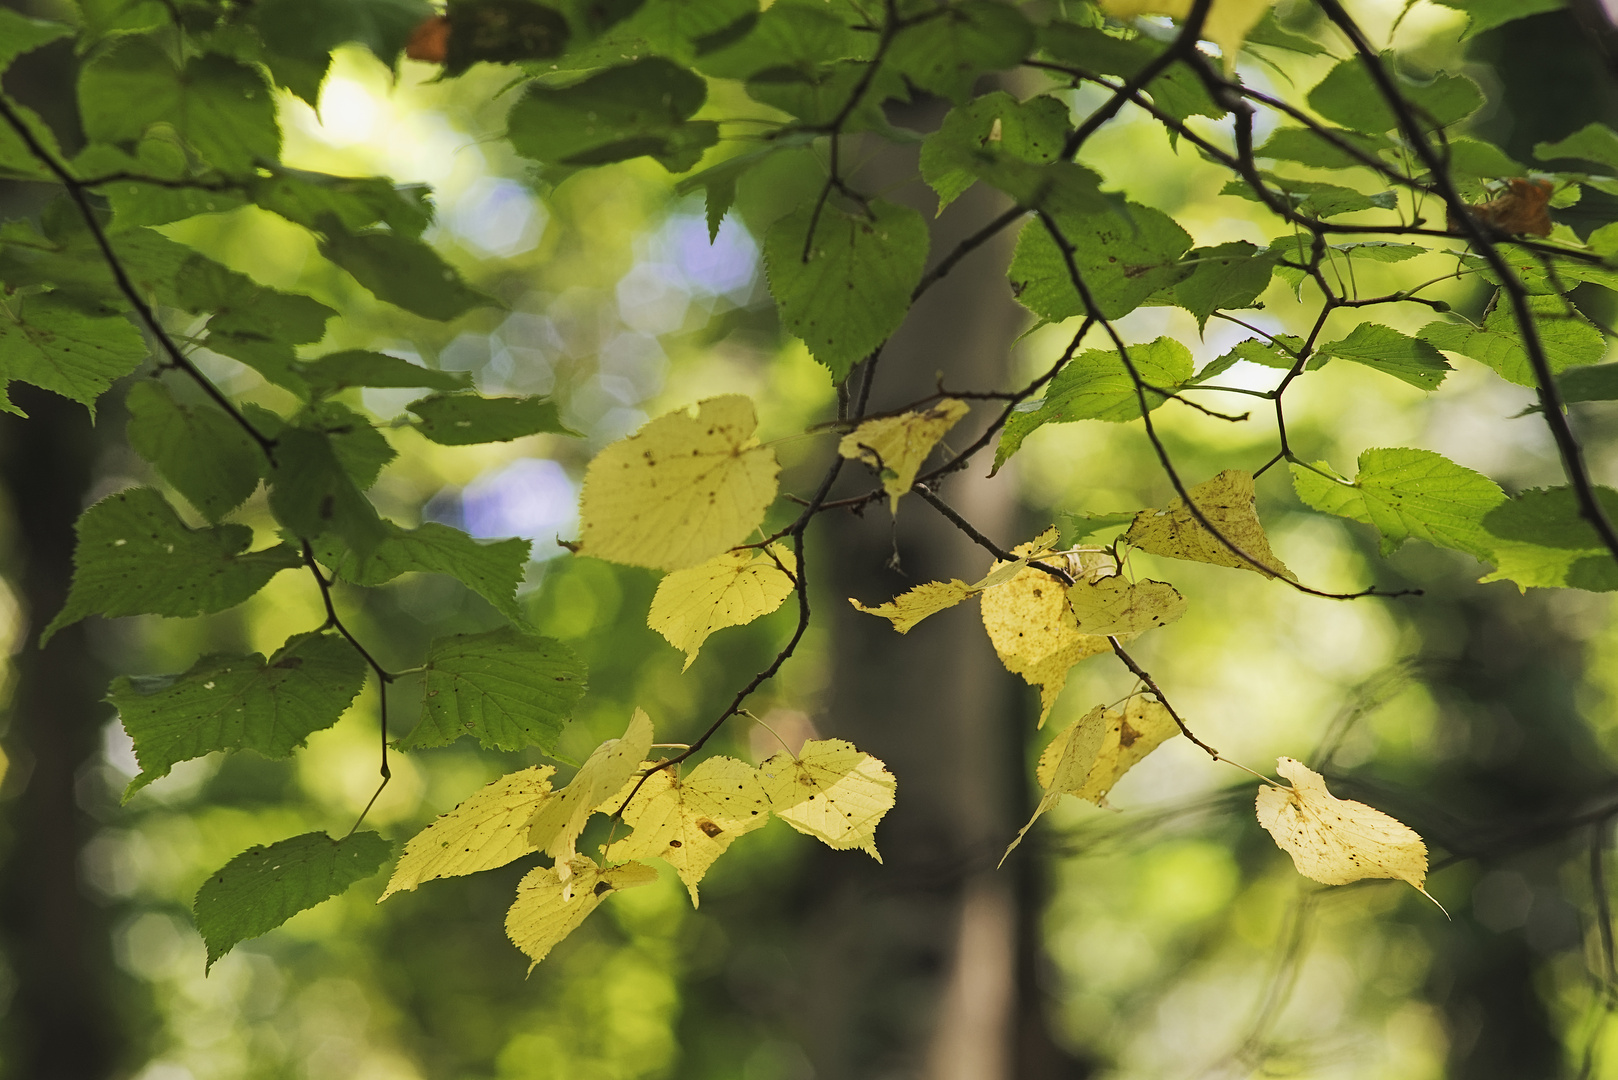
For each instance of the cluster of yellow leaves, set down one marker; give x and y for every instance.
(897, 445)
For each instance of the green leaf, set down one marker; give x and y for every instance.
(492, 570)
(719, 181)
(135, 202)
(67, 257)
(853, 289)
(312, 493)
(507, 31)
(508, 689)
(400, 270)
(198, 448)
(1542, 540)
(638, 109)
(246, 316)
(1095, 385)
(1226, 276)
(224, 110)
(20, 34)
(1488, 14)
(465, 418)
(1568, 340)
(136, 557)
(1298, 247)
(1311, 197)
(947, 53)
(16, 159)
(817, 97)
(994, 126)
(1123, 260)
(238, 703)
(1178, 91)
(308, 30)
(1349, 96)
(1406, 358)
(1308, 147)
(1543, 274)
(1476, 158)
(1594, 142)
(263, 887)
(339, 371)
(1270, 32)
(682, 30)
(360, 447)
(1262, 351)
(801, 37)
(307, 198)
(1408, 493)
(1598, 383)
(1076, 528)
(55, 345)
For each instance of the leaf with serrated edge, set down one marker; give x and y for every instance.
(680, 490)
(908, 609)
(551, 904)
(731, 589)
(897, 445)
(1112, 606)
(1229, 502)
(1066, 763)
(830, 791)
(509, 689)
(1033, 628)
(491, 568)
(1335, 841)
(1143, 726)
(690, 821)
(67, 351)
(487, 830)
(198, 448)
(556, 825)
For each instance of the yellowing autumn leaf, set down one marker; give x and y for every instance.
(1227, 24)
(731, 589)
(1335, 841)
(1142, 727)
(689, 821)
(1034, 630)
(487, 830)
(557, 823)
(1066, 763)
(680, 490)
(1231, 506)
(1111, 605)
(550, 906)
(897, 445)
(830, 791)
(907, 610)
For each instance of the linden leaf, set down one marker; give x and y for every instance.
(680, 490)
(1335, 841)
(690, 821)
(1227, 24)
(487, 830)
(1113, 606)
(1033, 628)
(551, 904)
(1066, 763)
(555, 826)
(906, 610)
(897, 445)
(1142, 727)
(1230, 505)
(830, 791)
(731, 589)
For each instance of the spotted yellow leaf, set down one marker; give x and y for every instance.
(689, 821)
(1111, 605)
(680, 490)
(1227, 24)
(487, 830)
(1230, 505)
(1066, 763)
(550, 906)
(1142, 727)
(830, 791)
(908, 609)
(897, 445)
(731, 589)
(1335, 841)
(1033, 628)
(555, 826)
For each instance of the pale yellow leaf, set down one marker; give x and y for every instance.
(907, 610)
(1230, 505)
(1067, 762)
(830, 791)
(1335, 841)
(1111, 605)
(550, 906)
(487, 830)
(680, 490)
(731, 589)
(689, 821)
(557, 823)
(897, 445)
(1227, 24)
(1033, 628)
(1143, 726)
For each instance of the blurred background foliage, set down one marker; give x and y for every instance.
(1169, 939)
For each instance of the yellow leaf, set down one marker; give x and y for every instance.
(1066, 763)
(898, 445)
(1143, 726)
(1033, 628)
(731, 589)
(1229, 503)
(550, 906)
(556, 825)
(483, 832)
(909, 609)
(1227, 25)
(1335, 841)
(1111, 605)
(679, 491)
(688, 822)
(830, 791)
